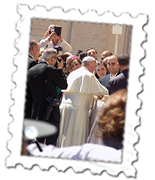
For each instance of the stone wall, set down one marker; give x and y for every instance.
(85, 35)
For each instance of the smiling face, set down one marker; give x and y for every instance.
(112, 65)
(101, 70)
(75, 64)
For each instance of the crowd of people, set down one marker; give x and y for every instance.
(70, 91)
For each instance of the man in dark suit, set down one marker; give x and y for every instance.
(113, 68)
(120, 81)
(34, 53)
(42, 81)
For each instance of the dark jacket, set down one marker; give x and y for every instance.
(28, 97)
(36, 83)
(105, 80)
(118, 82)
(31, 62)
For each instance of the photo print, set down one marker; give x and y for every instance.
(95, 127)
(74, 32)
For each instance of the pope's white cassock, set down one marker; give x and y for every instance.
(75, 106)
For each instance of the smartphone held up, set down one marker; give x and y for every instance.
(57, 30)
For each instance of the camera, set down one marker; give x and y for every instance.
(51, 102)
(59, 59)
(58, 49)
(57, 30)
(63, 62)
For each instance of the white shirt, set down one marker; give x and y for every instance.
(113, 76)
(65, 46)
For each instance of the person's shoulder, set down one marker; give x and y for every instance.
(30, 57)
(51, 67)
(119, 76)
(32, 65)
(114, 79)
(37, 66)
(125, 72)
(105, 77)
(78, 72)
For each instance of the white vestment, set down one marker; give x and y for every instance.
(75, 106)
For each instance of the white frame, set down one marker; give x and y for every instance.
(131, 137)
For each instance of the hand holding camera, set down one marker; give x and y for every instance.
(60, 63)
(56, 30)
(52, 35)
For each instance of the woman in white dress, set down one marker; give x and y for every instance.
(76, 103)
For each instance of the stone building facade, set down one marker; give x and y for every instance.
(83, 35)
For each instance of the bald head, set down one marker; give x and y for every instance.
(112, 64)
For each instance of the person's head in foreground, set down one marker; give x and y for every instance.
(111, 120)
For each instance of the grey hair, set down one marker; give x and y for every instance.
(85, 63)
(49, 53)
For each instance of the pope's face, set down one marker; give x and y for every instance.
(92, 66)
